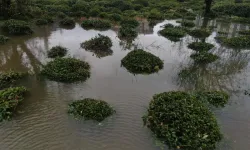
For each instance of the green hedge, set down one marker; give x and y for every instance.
(91, 109)
(182, 121)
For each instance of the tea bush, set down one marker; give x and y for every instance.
(9, 78)
(67, 22)
(187, 23)
(66, 70)
(96, 24)
(40, 22)
(215, 98)
(91, 109)
(200, 46)
(57, 51)
(129, 22)
(204, 57)
(3, 39)
(9, 100)
(182, 122)
(235, 42)
(100, 42)
(16, 27)
(127, 33)
(172, 32)
(199, 33)
(140, 61)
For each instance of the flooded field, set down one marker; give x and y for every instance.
(43, 123)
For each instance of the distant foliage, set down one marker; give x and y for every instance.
(57, 51)
(96, 24)
(9, 78)
(140, 61)
(91, 109)
(9, 100)
(200, 46)
(204, 57)
(182, 121)
(3, 39)
(16, 27)
(240, 10)
(199, 33)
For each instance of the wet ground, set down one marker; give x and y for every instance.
(42, 121)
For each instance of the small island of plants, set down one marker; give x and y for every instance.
(199, 33)
(9, 78)
(9, 100)
(182, 122)
(235, 42)
(173, 33)
(100, 42)
(57, 51)
(96, 24)
(187, 23)
(204, 57)
(91, 109)
(200, 46)
(140, 61)
(66, 70)
(16, 27)
(3, 39)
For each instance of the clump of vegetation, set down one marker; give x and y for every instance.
(199, 33)
(16, 27)
(100, 42)
(231, 9)
(3, 39)
(96, 24)
(215, 98)
(140, 61)
(40, 22)
(61, 15)
(222, 32)
(200, 46)
(91, 109)
(245, 32)
(128, 22)
(67, 22)
(57, 51)
(66, 70)
(182, 121)
(9, 78)
(235, 42)
(187, 23)
(9, 100)
(204, 57)
(172, 33)
(127, 33)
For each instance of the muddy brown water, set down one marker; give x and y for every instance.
(42, 122)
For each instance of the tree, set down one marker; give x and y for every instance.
(208, 6)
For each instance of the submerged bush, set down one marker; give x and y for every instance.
(182, 121)
(91, 109)
(187, 23)
(3, 39)
(172, 33)
(41, 22)
(215, 98)
(129, 22)
(235, 42)
(100, 42)
(17, 27)
(9, 78)
(66, 70)
(127, 33)
(140, 61)
(204, 57)
(57, 51)
(199, 33)
(67, 22)
(96, 24)
(200, 46)
(9, 100)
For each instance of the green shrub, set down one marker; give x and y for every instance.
(3, 39)
(50, 19)
(244, 32)
(187, 23)
(235, 42)
(155, 14)
(204, 57)
(190, 17)
(99, 42)
(10, 78)
(127, 33)
(115, 17)
(17, 27)
(40, 22)
(91, 109)
(129, 22)
(9, 100)
(57, 8)
(61, 15)
(103, 15)
(140, 61)
(240, 10)
(94, 12)
(57, 51)
(96, 24)
(199, 33)
(67, 22)
(222, 32)
(200, 46)
(66, 70)
(215, 98)
(172, 33)
(182, 122)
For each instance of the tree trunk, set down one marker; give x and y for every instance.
(208, 6)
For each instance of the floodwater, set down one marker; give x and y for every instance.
(42, 122)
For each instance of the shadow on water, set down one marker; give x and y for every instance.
(45, 124)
